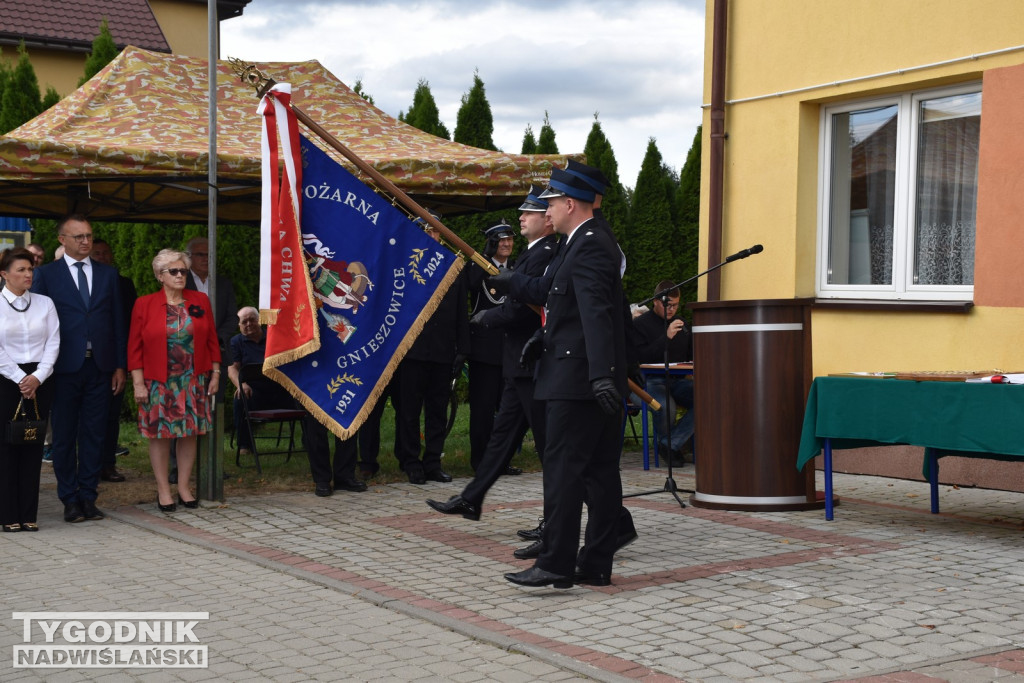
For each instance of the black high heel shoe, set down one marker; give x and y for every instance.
(190, 504)
(165, 508)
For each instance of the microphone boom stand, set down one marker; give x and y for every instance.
(670, 483)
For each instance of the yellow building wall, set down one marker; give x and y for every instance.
(184, 25)
(771, 159)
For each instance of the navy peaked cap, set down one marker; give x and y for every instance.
(533, 202)
(589, 174)
(565, 184)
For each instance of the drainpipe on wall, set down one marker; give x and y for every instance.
(716, 181)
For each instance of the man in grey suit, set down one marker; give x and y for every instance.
(90, 368)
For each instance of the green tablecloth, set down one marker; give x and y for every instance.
(971, 418)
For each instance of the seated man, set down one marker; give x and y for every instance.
(651, 336)
(249, 348)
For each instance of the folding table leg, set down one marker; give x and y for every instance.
(827, 450)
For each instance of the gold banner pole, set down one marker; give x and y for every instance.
(256, 78)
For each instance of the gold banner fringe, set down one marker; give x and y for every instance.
(385, 377)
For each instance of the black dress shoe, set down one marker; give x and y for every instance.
(416, 476)
(512, 471)
(91, 511)
(532, 534)
(73, 512)
(190, 504)
(111, 474)
(457, 505)
(349, 484)
(171, 507)
(530, 552)
(535, 577)
(587, 579)
(323, 489)
(438, 475)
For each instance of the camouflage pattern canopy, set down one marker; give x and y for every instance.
(131, 144)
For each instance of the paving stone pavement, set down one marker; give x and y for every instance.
(376, 586)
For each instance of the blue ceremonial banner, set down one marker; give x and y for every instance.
(375, 278)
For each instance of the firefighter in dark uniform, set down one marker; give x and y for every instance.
(517, 408)
(422, 385)
(485, 381)
(581, 375)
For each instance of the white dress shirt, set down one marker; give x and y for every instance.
(28, 336)
(201, 284)
(74, 271)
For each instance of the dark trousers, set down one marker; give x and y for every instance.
(20, 465)
(365, 443)
(485, 389)
(80, 404)
(516, 411)
(423, 386)
(316, 440)
(581, 462)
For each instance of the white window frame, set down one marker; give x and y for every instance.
(902, 287)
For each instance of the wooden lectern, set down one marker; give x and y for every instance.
(752, 373)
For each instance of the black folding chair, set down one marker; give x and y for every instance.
(266, 392)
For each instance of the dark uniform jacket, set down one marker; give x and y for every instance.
(485, 342)
(447, 331)
(514, 317)
(584, 337)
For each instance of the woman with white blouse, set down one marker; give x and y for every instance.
(29, 341)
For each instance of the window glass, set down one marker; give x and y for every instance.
(899, 190)
(947, 189)
(863, 196)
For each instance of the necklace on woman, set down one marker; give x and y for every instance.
(28, 303)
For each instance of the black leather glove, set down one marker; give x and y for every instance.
(460, 360)
(479, 318)
(501, 282)
(532, 349)
(606, 395)
(491, 248)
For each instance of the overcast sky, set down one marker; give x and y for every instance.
(638, 64)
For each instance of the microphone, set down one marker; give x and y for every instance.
(744, 253)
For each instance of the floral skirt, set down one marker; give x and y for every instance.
(179, 407)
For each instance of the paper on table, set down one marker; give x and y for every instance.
(1008, 378)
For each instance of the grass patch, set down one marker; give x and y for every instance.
(279, 475)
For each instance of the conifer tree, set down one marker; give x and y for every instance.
(546, 142)
(423, 113)
(615, 204)
(51, 97)
(21, 100)
(474, 125)
(104, 49)
(652, 236)
(5, 78)
(529, 142)
(688, 204)
(358, 89)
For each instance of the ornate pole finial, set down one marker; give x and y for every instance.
(248, 73)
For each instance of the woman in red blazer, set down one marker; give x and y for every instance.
(174, 359)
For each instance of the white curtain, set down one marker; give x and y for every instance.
(947, 187)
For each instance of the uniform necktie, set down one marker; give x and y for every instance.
(83, 284)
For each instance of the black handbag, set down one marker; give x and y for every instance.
(22, 430)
